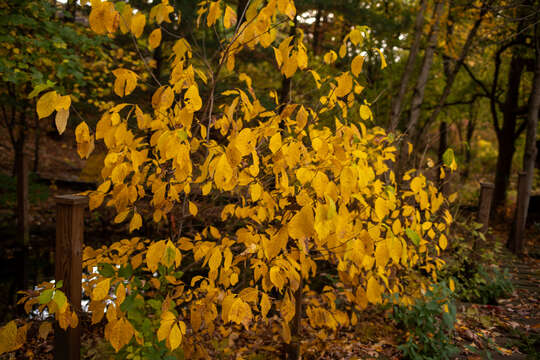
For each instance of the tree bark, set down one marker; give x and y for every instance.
(420, 87)
(293, 349)
(471, 124)
(452, 75)
(409, 68)
(23, 233)
(317, 30)
(418, 96)
(444, 184)
(507, 136)
(517, 240)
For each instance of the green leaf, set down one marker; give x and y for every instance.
(45, 296)
(59, 298)
(413, 236)
(125, 271)
(448, 157)
(107, 270)
(37, 89)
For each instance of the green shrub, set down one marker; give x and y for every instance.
(477, 280)
(429, 325)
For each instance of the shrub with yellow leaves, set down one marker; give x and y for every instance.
(295, 194)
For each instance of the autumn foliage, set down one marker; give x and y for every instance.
(295, 189)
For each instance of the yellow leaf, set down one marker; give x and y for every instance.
(214, 12)
(287, 7)
(301, 225)
(265, 305)
(278, 56)
(192, 99)
(275, 143)
(330, 57)
(154, 254)
(103, 17)
(137, 24)
(394, 248)
(167, 320)
(443, 242)
(356, 36)
(62, 102)
(121, 216)
(230, 17)
(290, 65)
(417, 184)
(302, 59)
(155, 38)
(342, 50)
(255, 190)
(381, 254)
(120, 293)
(373, 291)
(44, 329)
(175, 337)
(85, 142)
(101, 290)
(381, 209)
(383, 61)
(356, 65)
(452, 285)
(276, 278)
(8, 337)
(46, 104)
(125, 83)
(344, 84)
(396, 227)
(136, 222)
(215, 259)
(301, 118)
(161, 12)
(193, 209)
(120, 334)
(365, 112)
(61, 120)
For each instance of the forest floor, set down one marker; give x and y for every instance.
(508, 330)
(511, 329)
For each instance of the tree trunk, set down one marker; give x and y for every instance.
(420, 87)
(506, 137)
(418, 96)
(409, 68)
(37, 135)
(516, 240)
(471, 124)
(452, 75)
(444, 184)
(293, 349)
(317, 30)
(23, 234)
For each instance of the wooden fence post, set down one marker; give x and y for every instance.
(515, 240)
(484, 205)
(68, 268)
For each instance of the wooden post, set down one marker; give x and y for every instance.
(68, 268)
(484, 205)
(515, 240)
